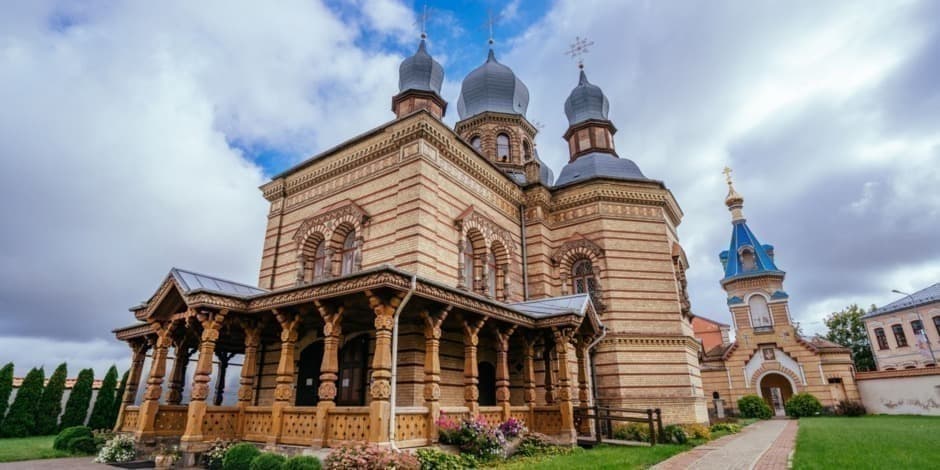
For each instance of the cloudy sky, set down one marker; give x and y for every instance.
(133, 137)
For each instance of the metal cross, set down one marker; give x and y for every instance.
(491, 20)
(578, 49)
(423, 20)
(727, 172)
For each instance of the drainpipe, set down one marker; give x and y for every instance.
(401, 306)
(525, 260)
(591, 362)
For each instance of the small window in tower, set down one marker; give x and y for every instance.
(760, 312)
(748, 260)
(477, 143)
(502, 148)
(584, 140)
(526, 151)
(600, 137)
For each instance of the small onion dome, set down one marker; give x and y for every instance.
(734, 199)
(600, 165)
(492, 87)
(586, 102)
(420, 72)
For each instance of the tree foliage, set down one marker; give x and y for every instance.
(21, 420)
(6, 388)
(76, 408)
(847, 328)
(50, 404)
(104, 404)
(119, 397)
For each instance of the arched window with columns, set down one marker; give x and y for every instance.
(503, 152)
(320, 262)
(583, 279)
(491, 274)
(760, 312)
(468, 263)
(348, 254)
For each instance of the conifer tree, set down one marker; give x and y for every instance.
(21, 419)
(50, 405)
(76, 408)
(6, 388)
(104, 404)
(119, 397)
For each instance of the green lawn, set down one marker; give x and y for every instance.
(906, 442)
(29, 448)
(603, 456)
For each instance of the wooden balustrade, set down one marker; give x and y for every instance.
(491, 415)
(170, 420)
(522, 413)
(347, 424)
(299, 425)
(546, 420)
(411, 426)
(455, 412)
(257, 423)
(220, 422)
(131, 415)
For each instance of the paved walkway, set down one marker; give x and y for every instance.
(764, 445)
(76, 463)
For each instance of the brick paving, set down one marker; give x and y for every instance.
(777, 457)
(742, 451)
(75, 463)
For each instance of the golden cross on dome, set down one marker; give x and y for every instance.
(578, 49)
(727, 172)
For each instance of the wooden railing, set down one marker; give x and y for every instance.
(604, 418)
(131, 415)
(170, 420)
(546, 420)
(455, 412)
(347, 423)
(491, 415)
(411, 426)
(521, 413)
(257, 423)
(220, 422)
(299, 425)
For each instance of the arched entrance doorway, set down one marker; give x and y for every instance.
(776, 389)
(308, 375)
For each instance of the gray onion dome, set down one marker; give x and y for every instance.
(586, 102)
(420, 72)
(492, 87)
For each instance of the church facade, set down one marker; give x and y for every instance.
(418, 270)
(768, 357)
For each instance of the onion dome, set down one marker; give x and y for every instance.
(599, 165)
(492, 87)
(420, 72)
(586, 102)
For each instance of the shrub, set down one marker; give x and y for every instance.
(433, 459)
(302, 462)
(267, 461)
(119, 449)
(369, 457)
(803, 404)
(447, 429)
(21, 420)
(479, 439)
(512, 428)
(851, 408)
(104, 402)
(76, 408)
(239, 456)
(62, 440)
(212, 457)
(6, 387)
(119, 397)
(50, 403)
(632, 432)
(697, 431)
(753, 406)
(674, 434)
(729, 427)
(82, 445)
(102, 436)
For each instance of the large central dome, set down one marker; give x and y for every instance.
(492, 87)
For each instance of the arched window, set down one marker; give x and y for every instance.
(476, 143)
(583, 280)
(748, 262)
(526, 151)
(349, 253)
(881, 338)
(468, 263)
(491, 274)
(319, 262)
(760, 312)
(502, 148)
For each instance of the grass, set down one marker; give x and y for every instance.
(600, 457)
(868, 442)
(29, 448)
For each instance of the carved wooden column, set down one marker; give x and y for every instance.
(585, 399)
(380, 409)
(562, 337)
(211, 324)
(139, 349)
(246, 387)
(471, 338)
(224, 359)
(284, 390)
(151, 403)
(329, 367)
(528, 375)
(502, 369)
(182, 353)
(432, 367)
(549, 373)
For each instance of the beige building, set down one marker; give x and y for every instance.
(768, 357)
(419, 269)
(905, 334)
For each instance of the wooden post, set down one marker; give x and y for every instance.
(284, 390)
(151, 403)
(585, 400)
(549, 373)
(502, 369)
(139, 354)
(182, 352)
(432, 368)
(528, 376)
(380, 409)
(246, 391)
(471, 394)
(562, 338)
(211, 324)
(329, 368)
